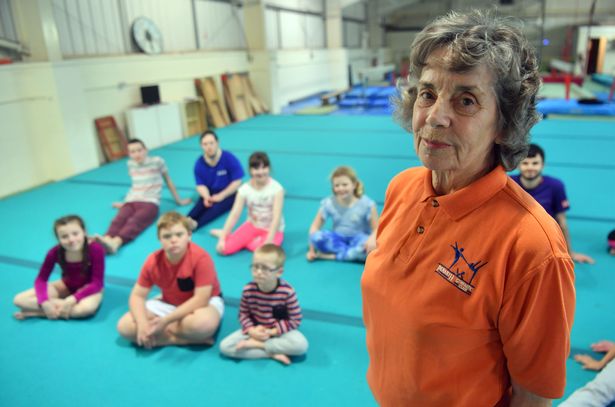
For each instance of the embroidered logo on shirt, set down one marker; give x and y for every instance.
(460, 274)
(221, 172)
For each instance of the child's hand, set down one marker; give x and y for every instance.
(185, 201)
(143, 337)
(220, 246)
(602, 346)
(50, 310)
(588, 362)
(370, 244)
(259, 333)
(117, 205)
(66, 306)
(156, 326)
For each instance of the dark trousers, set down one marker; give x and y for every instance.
(204, 215)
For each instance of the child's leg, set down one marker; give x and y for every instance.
(355, 250)
(240, 238)
(87, 306)
(327, 241)
(291, 343)
(28, 303)
(120, 219)
(127, 326)
(196, 328)
(259, 240)
(597, 393)
(144, 214)
(204, 215)
(228, 347)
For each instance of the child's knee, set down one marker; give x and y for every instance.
(126, 327)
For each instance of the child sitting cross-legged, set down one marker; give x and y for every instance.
(269, 313)
(191, 305)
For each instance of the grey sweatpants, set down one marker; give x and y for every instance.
(600, 392)
(292, 343)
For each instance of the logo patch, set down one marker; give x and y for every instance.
(460, 274)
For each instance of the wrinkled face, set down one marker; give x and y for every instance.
(260, 175)
(455, 118)
(209, 144)
(175, 240)
(343, 187)
(531, 167)
(71, 236)
(265, 269)
(137, 152)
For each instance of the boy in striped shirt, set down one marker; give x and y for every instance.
(269, 313)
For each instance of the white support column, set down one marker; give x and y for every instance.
(373, 25)
(36, 29)
(254, 25)
(333, 13)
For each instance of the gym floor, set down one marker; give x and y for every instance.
(59, 363)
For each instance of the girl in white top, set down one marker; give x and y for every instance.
(264, 198)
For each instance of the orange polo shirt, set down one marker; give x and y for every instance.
(465, 292)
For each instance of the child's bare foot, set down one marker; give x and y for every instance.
(216, 232)
(283, 359)
(111, 244)
(247, 344)
(310, 255)
(21, 315)
(192, 224)
(602, 346)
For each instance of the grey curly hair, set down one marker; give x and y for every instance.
(474, 38)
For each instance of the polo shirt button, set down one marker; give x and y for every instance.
(435, 203)
(420, 230)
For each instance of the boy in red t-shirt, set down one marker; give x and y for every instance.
(191, 306)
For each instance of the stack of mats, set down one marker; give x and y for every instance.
(369, 99)
(574, 107)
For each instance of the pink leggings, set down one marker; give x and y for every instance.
(248, 236)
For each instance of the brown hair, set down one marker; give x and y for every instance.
(345, 171)
(270, 248)
(259, 159)
(85, 251)
(172, 218)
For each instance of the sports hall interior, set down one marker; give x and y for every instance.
(311, 83)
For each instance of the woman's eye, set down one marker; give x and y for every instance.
(466, 105)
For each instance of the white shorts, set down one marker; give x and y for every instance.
(160, 308)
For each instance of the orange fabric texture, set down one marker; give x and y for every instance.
(196, 265)
(465, 292)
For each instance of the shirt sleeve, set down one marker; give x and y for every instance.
(97, 261)
(145, 277)
(294, 314)
(235, 170)
(325, 208)
(560, 200)
(204, 272)
(534, 326)
(162, 166)
(245, 316)
(198, 172)
(40, 283)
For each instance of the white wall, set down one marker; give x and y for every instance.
(47, 111)
(608, 33)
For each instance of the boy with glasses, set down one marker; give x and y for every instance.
(269, 313)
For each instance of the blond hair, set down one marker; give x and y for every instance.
(172, 218)
(270, 248)
(345, 171)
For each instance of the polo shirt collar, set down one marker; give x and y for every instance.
(464, 201)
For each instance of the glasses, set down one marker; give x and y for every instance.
(262, 268)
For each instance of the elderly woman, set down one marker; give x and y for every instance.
(469, 295)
